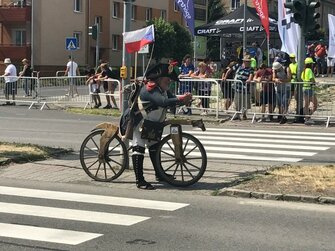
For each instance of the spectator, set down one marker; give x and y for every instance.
(272, 53)
(259, 55)
(27, 72)
(244, 75)
(320, 58)
(282, 78)
(109, 85)
(186, 69)
(72, 70)
(226, 86)
(10, 80)
(294, 71)
(309, 90)
(94, 87)
(203, 88)
(264, 76)
(330, 66)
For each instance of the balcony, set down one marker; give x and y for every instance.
(12, 14)
(14, 52)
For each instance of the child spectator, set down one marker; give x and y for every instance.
(94, 87)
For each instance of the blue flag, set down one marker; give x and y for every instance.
(187, 7)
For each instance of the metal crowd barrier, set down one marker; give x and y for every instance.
(205, 92)
(19, 90)
(117, 92)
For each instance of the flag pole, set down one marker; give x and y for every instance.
(135, 70)
(244, 27)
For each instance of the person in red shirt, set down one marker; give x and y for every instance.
(264, 77)
(320, 58)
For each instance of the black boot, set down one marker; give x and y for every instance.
(152, 154)
(138, 169)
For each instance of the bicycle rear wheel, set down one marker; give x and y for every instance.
(111, 165)
(187, 170)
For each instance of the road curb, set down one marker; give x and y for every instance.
(273, 196)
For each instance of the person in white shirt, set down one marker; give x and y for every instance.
(72, 70)
(10, 76)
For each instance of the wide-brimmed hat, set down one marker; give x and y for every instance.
(7, 61)
(247, 58)
(161, 70)
(276, 66)
(292, 55)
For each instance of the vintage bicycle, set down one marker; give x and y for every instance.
(104, 155)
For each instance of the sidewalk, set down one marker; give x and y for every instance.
(67, 169)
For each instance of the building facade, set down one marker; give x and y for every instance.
(37, 29)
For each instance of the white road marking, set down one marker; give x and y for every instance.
(71, 214)
(45, 234)
(90, 198)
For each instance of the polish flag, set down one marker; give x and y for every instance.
(135, 40)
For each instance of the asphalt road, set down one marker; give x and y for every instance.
(194, 223)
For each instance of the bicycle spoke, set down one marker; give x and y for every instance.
(168, 160)
(189, 158)
(96, 145)
(113, 148)
(96, 174)
(174, 173)
(97, 152)
(188, 170)
(168, 154)
(193, 165)
(172, 149)
(186, 143)
(111, 168)
(92, 164)
(169, 167)
(182, 172)
(190, 151)
(120, 164)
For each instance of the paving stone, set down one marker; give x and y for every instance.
(273, 196)
(291, 197)
(235, 193)
(327, 200)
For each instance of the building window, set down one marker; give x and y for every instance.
(199, 14)
(77, 35)
(98, 21)
(19, 37)
(148, 14)
(133, 12)
(116, 9)
(163, 14)
(176, 7)
(235, 4)
(77, 5)
(116, 42)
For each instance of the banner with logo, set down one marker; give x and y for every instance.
(187, 8)
(263, 12)
(289, 31)
(331, 48)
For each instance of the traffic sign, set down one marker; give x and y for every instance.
(71, 43)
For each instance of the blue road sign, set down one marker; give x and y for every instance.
(71, 43)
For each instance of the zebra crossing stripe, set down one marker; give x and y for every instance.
(213, 133)
(45, 234)
(90, 198)
(71, 214)
(227, 140)
(271, 131)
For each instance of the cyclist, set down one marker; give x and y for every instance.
(153, 102)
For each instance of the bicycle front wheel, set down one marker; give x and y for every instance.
(184, 171)
(109, 166)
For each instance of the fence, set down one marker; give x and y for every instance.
(50, 90)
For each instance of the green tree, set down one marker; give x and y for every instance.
(216, 11)
(183, 42)
(165, 39)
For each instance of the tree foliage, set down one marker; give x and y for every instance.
(183, 42)
(165, 39)
(216, 11)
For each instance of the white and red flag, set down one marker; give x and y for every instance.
(135, 40)
(263, 13)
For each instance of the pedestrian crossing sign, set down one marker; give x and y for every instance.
(71, 43)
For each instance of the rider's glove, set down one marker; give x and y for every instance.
(186, 98)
